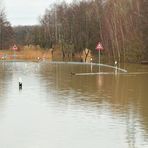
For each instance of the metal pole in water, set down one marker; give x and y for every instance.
(20, 83)
(116, 69)
(99, 60)
(91, 64)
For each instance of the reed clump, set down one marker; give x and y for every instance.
(34, 52)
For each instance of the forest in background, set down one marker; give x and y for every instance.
(120, 25)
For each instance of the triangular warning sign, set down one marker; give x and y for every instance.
(14, 47)
(99, 46)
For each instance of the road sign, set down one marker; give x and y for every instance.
(14, 48)
(99, 46)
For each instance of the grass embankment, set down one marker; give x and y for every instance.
(35, 53)
(31, 53)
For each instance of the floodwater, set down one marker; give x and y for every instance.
(55, 109)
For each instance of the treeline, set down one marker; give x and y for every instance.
(121, 26)
(6, 31)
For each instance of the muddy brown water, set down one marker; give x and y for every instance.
(55, 109)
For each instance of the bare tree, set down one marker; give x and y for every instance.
(6, 31)
(120, 25)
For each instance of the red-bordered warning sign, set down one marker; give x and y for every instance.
(99, 47)
(14, 48)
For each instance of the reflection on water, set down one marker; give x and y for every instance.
(56, 109)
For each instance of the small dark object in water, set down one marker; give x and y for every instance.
(72, 73)
(20, 85)
(144, 62)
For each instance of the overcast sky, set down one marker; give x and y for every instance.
(26, 12)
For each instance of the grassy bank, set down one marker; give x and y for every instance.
(26, 53)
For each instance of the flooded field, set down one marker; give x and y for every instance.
(55, 109)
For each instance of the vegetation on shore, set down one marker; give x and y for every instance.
(36, 53)
(26, 53)
(121, 26)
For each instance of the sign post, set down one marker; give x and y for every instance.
(14, 48)
(99, 47)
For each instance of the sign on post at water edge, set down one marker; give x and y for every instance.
(14, 48)
(99, 47)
